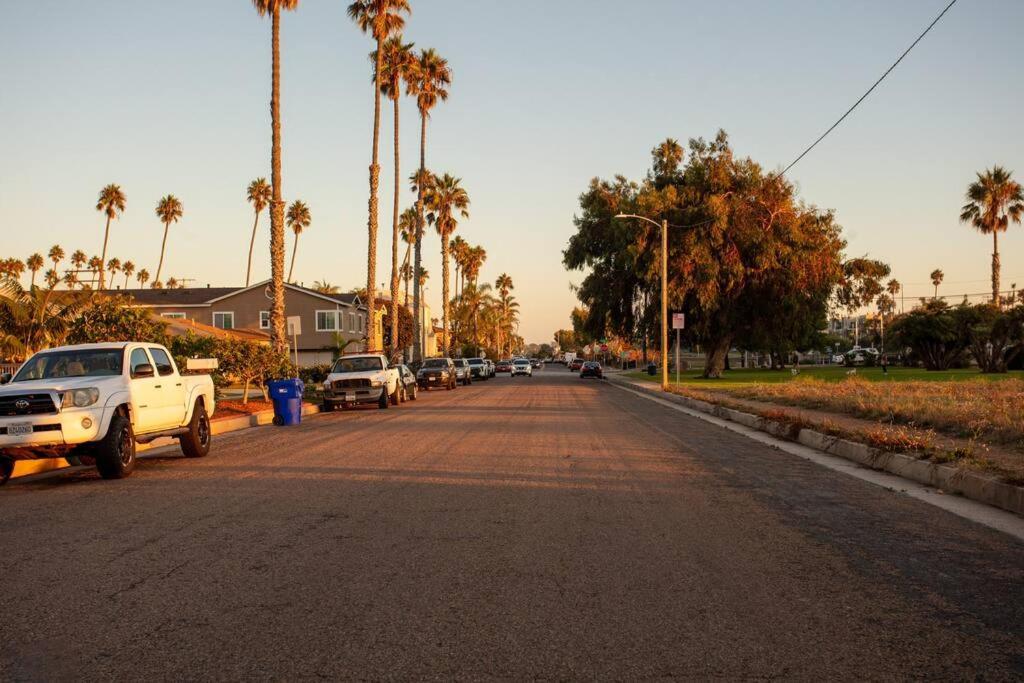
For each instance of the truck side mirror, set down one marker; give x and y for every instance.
(6, 377)
(143, 371)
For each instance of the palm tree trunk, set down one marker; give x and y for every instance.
(127, 277)
(295, 248)
(252, 243)
(995, 267)
(371, 252)
(163, 248)
(32, 282)
(103, 264)
(278, 333)
(444, 292)
(394, 241)
(417, 346)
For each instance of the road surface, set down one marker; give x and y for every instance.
(546, 527)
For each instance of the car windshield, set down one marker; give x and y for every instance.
(522, 362)
(79, 363)
(357, 365)
(476, 361)
(460, 363)
(436, 363)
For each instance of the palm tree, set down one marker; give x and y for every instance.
(114, 266)
(78, 261)
(406, 278)
(429, 85)
(278, 333)
(398, 66)
(298, 220)
(937, 276)
(96, 266)
(56, 254)
(32, 319)
(112, 202)
(894, 287)
(259, 195)
(143, 278)
(34, 263)
(407, 230)
(325, 287)
(475, 299)
(475, 258)
(169, 210)
(504, 286)
(380, 18)
(447, 199)
(172, 283)
(993, 200)
(128, 268)
(459, 249)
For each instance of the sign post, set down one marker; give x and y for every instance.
(295, 329)
(678, 324)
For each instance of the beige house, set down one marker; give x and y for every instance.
(328, 322)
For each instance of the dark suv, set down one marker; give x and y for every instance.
(437, 373)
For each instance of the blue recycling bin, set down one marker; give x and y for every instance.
(287, 397)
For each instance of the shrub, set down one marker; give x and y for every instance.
(315, 374)
(108, 319)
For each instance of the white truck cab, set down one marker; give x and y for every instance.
(362, 378)
(95, 402)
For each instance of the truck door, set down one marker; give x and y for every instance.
(170, 389)
(144, 394)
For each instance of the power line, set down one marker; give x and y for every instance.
(871, 89)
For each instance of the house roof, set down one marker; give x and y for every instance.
(204, 296)
(181, 327)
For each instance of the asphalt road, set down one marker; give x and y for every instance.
(546, 527)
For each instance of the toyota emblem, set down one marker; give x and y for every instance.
(21, 404)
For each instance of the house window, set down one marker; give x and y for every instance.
(264, 320)
(225, 320)
(327, 321)
(173, 316)
(353, 322)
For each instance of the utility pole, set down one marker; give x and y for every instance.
(664, 305)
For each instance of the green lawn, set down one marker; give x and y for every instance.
(740, 377)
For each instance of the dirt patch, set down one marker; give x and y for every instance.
(228, 409)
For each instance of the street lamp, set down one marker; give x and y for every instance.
(664, 292)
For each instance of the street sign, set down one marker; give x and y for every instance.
(294, 325)
(678, 321)
(604, 348)
(586, 350)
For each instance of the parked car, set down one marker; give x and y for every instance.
(362, 378)
(490, 367)
(576, 365)
(503, 366)
(479, 369)
(437, 373)
(521, 366)
(536, 363)
(592, 369)
(463, 373)
(98, 401)
(408, 383)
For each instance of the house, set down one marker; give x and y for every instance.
(329, 322)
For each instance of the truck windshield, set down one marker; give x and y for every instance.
(82, 363)
(436, 363)
(357, 365)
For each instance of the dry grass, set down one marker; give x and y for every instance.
(990, 411)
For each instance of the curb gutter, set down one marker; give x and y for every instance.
(24, 468)
(972, 485)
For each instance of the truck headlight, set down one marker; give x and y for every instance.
(327, 385)
(80, 398)
(376, 383)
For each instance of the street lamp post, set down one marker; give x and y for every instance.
(664, 293)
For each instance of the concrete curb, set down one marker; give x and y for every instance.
(25, 468)
(972, 485)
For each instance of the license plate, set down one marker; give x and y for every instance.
(350, 396)
(19, 429)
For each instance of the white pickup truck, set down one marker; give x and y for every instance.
(95, 402)
(362, 378)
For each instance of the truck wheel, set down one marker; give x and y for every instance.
(412, 396)
(326, 407)
(196, 443)
(383, 403)
(115, 454)
(394, 397)
(6, 470)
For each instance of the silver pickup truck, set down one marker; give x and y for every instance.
(95, 402)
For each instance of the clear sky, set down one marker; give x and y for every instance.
(172, 97)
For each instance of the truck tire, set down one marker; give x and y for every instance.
(396, 397)
(384, 401)
(196, 443)
(115, 454)
(6, 470)
(414, 389)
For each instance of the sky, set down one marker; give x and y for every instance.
(172, 97)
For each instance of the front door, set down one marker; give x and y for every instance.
(144, 392)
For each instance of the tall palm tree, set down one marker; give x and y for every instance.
(447, 200)
(143, 278)
(172, 283)
(34, 263)
(128, 268)
(168, 210)
(937, 277)
(407, 231)
(459, 249)
(96, 266)
(56, 254)
(475, 258)
(112, 203)
(380, 18)
(894, 287)
(397, 68)
(278, 332)
(504, 286)
(993, 200)
(78, 261)
(298, 220)
(259, 195)
(429, 85)
(406, 278)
